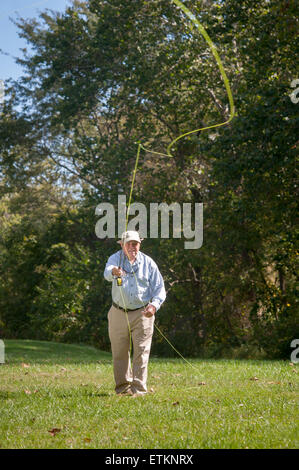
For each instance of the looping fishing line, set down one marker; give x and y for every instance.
(211, 45)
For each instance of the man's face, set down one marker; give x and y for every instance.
(131, 249)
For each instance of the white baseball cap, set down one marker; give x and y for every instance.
(129, 236)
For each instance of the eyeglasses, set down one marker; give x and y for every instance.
(133, 271)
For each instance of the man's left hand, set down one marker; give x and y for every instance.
(149, 311)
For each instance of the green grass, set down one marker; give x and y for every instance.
(215, 404)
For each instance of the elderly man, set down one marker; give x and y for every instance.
(137, 293)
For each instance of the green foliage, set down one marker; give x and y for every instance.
(67, 305)
(103, 75)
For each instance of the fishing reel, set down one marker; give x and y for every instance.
(119, 280)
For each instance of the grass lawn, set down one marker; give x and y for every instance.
(62, 396)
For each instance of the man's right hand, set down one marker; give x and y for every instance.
(118, 272)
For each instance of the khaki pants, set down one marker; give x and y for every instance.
(127, 378)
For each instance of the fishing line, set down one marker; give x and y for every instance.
(132, 184)
(212, 47)
(163, 336)
(157, 328)
(210, 43)
(128, 323)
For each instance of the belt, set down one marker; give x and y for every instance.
(126, 309)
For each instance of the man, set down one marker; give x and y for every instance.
(137, 293)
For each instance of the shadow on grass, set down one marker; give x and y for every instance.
(61, 395)
(48, 352)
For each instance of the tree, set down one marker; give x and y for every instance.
(105, 75)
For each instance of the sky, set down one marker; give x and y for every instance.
(10, 42)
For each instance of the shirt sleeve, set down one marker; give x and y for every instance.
(157, 287)
(112, 262)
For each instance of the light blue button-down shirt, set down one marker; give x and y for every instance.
(145, 286)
